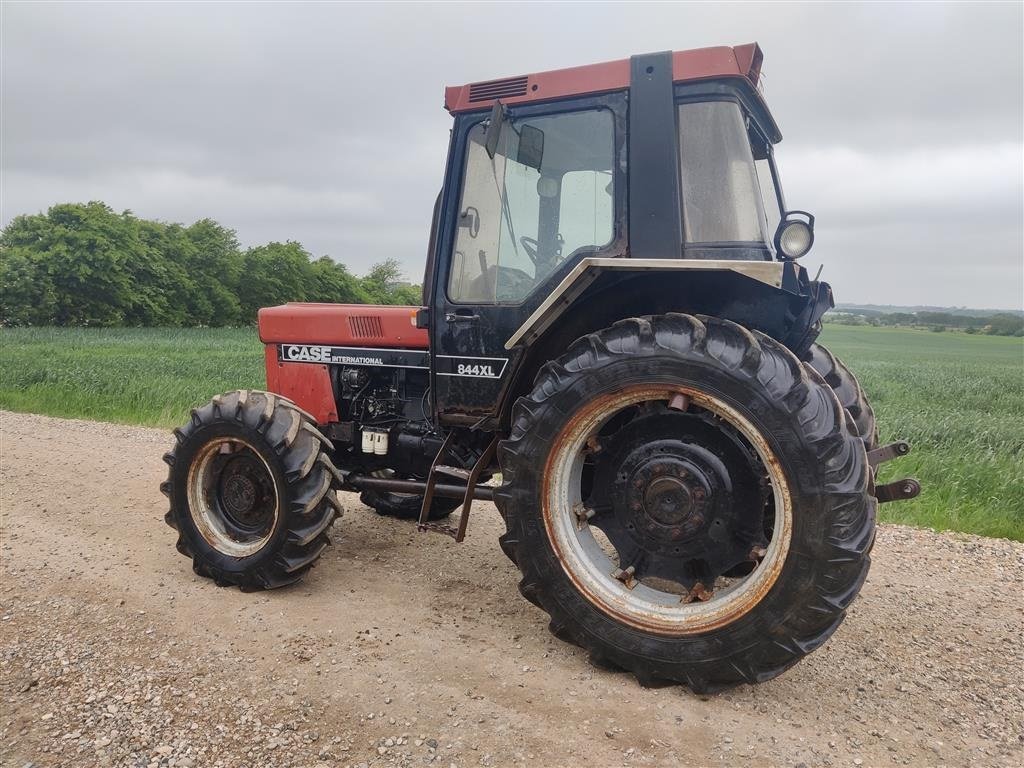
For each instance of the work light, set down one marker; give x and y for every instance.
(795, 235)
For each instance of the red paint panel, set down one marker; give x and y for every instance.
(305, 384)
(351, 325)
(705, 63)
(748, 59)
(700, 64)
(592, 78)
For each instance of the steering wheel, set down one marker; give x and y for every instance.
(530, 245)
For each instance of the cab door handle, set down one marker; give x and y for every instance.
(462, 316)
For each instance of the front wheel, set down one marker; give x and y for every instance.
(686, 502)
(251, 490)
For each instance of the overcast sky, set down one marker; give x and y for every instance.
(324, 123)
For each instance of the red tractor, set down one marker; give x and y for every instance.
(614, 321)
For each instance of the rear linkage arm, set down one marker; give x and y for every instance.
(897, 490)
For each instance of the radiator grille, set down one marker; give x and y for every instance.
(365, 327)
(498, 89)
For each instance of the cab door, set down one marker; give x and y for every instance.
(515, 223)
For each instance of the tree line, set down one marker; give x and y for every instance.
(996, 324)
(84, 264)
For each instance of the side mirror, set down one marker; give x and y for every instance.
(795, 234)
(494, 125)
(531, 147)
(470, 219)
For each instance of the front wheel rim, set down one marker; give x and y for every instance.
(232, 497)
(600, 576)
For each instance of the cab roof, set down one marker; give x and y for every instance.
(741, 61)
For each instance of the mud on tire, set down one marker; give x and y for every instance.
(251, 490)
(824, 466)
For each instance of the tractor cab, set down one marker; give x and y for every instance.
(662, 162)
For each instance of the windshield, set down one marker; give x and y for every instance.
(722, 201)
(546, 195)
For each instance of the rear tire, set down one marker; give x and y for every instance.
(823, 522)
(843, 382)
(251, 490)
(406, 506)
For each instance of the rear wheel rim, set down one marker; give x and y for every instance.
(672, 493)
(232, 497)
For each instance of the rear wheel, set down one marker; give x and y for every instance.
(251, 490)
(843, 382)
(406, 506)
(685, 502)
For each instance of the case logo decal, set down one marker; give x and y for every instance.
(325, 355)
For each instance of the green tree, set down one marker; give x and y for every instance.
(27, 296)
(1005, 324)
(332, 283)
(384, 284)
(212, 259)
(83, 252)
(273, 274)
(83, 264)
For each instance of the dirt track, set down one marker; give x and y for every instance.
(405, 649)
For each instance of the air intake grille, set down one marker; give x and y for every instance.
(498, 89)
(365, 327)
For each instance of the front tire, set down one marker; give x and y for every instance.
(251, 490)
(654, 580)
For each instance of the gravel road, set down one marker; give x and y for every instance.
(406, 649)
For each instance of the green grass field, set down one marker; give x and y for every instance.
(958, 399)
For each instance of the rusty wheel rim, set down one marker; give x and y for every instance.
(653, 604)
(232, 497)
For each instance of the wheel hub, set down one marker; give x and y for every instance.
(243, 492)
(239, 495)
(667, 501)
(683, 502)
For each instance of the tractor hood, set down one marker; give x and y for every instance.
(357, 325)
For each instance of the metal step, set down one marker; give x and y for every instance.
(471, 476)
(459, 472)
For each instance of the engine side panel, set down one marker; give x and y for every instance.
(307, 385)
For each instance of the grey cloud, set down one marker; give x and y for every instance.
(323, 123)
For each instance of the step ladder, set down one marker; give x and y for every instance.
(469, 476)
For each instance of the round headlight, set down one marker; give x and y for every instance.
(795, 239)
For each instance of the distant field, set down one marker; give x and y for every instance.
(958, 399)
